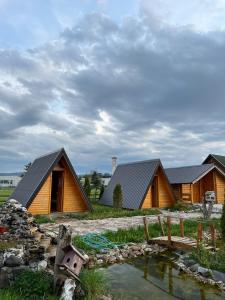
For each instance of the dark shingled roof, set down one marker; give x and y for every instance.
(218, 158)
(36, 175)
(135, 179)
(187, 174)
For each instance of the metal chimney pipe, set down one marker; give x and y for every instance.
(114, 164)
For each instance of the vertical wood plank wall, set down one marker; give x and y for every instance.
(41, 203)
(165, 196)
(220, 186)
(148, 199)
(72, 198)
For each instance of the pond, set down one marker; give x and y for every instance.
(155, 278)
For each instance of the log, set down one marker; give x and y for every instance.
(64, 239)
(161, 226)
(146, 229)
(199, 238)
(169, 229)
(181, 227)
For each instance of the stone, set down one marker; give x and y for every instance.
(194, 268)
(13, 261)
(42, 265)
(204, 272)
(218, 276)
(188, 262)
(18, 270)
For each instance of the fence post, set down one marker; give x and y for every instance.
(161, 226)
(146, 229)
(213, 235)
(181, 227)
(199, 238)
(169, 229)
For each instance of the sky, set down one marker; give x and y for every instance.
(136, 79)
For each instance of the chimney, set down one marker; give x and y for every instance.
(114, 164)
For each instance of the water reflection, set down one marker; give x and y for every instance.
(156, 278)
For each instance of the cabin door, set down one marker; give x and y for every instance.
(155, 196)
(57, 191)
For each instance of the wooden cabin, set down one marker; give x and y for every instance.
(51, 185)
(217, 160)
(190, 183)
(144, 185)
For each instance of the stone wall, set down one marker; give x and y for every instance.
(23, 245)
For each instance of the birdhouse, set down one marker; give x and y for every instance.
(73, 260)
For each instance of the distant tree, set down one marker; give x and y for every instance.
(87, 186)
(26, 167)
(96, 183)
(101, 191)
(117, 197)
(222, 221)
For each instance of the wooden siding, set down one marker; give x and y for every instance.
(165, 196)
(72, 198)
(41, 203)
(148, 200)
(220, 187)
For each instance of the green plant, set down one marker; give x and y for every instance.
(87, 186)
(8, 295)
(117, 197)
(210, 260)
(33, 285)
(101, 191)
(94, 284)
(181, 206)
(41, 219)
(222, 222)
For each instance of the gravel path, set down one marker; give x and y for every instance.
(81, 227)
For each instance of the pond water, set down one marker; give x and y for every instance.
(155, 278)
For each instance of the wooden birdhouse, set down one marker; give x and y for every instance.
(73, 261)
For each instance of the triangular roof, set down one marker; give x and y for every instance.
(189, 174)
(218, 158)
(135, 179)
(37, 174)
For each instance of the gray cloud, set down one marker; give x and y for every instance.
(138, 90)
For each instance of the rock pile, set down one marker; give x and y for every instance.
(22, 243)
(127, 251)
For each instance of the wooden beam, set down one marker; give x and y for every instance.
(161, 225)
(199, 238)
(213, 235)
(169, 229)
(146, 229)
(181, 227)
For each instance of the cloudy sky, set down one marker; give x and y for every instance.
(138, 79)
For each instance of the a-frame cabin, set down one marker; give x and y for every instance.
(144, 185)
(51, 185)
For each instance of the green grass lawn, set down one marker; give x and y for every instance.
(102, 212)
(4, 194)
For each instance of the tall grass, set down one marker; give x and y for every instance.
(94, 284)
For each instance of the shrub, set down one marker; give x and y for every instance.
(94, 284)
(222, 222)
(87, 186)
(33, 285)
(43, 219)
(117, 197)
(181, 206)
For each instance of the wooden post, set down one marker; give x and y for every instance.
(146, 229)
(161, 225)
(213, 235)
(181, 227)
(64, 239)
(199, 238)
(169, 229)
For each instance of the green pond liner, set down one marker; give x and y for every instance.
(99, 242)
